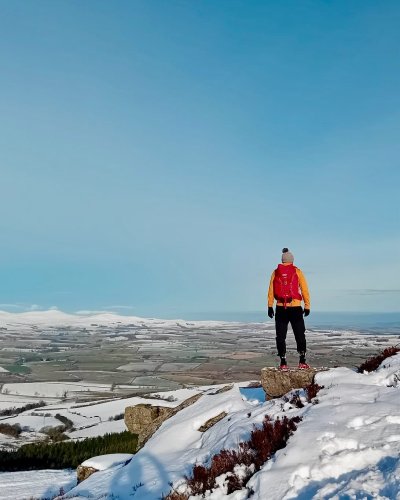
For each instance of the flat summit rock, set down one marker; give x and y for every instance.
(276, 382)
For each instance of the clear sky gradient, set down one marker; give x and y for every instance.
(156, 156)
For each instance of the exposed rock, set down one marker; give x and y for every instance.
(138, 418)
(84, 472)
(101, 462)
(145, 419)
(225, 388)
(276, 382)
(212, 421)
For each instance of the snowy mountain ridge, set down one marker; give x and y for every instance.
(90, 319)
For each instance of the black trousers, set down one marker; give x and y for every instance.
(294, 316)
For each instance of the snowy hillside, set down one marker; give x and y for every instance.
(346, 446)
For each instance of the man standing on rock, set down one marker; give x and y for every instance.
(289, 288)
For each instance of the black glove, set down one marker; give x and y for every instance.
(271, 312)
(306, 312)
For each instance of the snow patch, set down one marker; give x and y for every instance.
(104, 462)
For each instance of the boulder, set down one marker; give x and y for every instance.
(101, 462)
(139, 418)
(84, 472)
(276, 382)
(145, 419)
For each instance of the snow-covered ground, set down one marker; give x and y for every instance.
(88, 419)
(53, 389)
(347, 445)
(35, 484)
(13, 401)
(104, 462)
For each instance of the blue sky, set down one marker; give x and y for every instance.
(158, 155)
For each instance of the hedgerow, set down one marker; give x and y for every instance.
(13, 430)
(16, 411)
(68, 424)
(55, 434)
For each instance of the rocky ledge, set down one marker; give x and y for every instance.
(276, 382)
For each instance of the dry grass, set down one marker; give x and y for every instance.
(263, 443)
(295, 400)
(372, 363)
(311, 391)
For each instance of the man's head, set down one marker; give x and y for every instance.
(287, 257)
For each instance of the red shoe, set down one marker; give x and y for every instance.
(304, 366)
(283, 368)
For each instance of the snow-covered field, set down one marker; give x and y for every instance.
(88, 419)
(12, 401)
(347, 445)
(145, 354)
(52, 389)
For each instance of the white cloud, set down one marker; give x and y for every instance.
(34, 307)
(12, 306)
(23, 307)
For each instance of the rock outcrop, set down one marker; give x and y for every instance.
(84, 472)
(276, 382)
(221, 390)
(212, 421)
(145, 419)
(101, 462)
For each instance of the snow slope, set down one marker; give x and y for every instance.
(172, 450)
(347, 445)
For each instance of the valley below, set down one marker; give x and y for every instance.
(129, 355)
